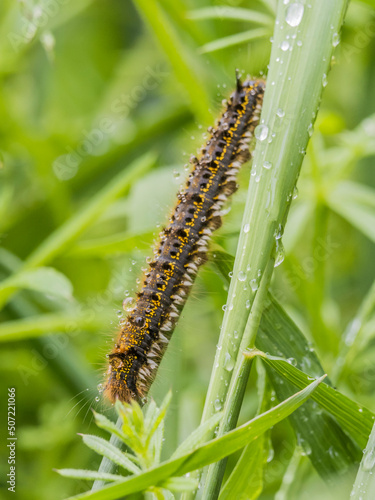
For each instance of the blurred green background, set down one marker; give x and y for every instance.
(87, 89)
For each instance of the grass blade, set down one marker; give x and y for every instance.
(355, 419)
(364, 486)
(177, 55)
(304, 45)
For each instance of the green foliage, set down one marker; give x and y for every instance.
(143, 434)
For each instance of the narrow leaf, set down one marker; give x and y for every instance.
(364, 486)
(90, 475)
(354, 418)
(44, 279)
(105, 448)
(237, 39)
(198, 436)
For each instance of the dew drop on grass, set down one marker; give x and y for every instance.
(284, 46)
(241, 276)
(324, 80)
(254, 285)
(335, 39)
(280, 113)
(369, 459)
(228, 362)
(246, 228)
(217, 404)
(267, 165)
(261, 132)
(280, 253)
(294, 14)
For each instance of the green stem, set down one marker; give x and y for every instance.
(238, 383)
(304, 45)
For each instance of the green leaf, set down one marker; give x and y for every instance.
(44, 279)
(232, 40)
(207, 453)
(114, 244)
(198, 436)
(105, 448)
(355, 419)
(109, 426)
(42, 324)
(90, 475)
(364, 486)
(247, 471)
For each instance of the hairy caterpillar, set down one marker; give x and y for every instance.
(182, 248)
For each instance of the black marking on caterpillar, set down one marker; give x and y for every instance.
(182, 248)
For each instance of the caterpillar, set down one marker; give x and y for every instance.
(182, 248)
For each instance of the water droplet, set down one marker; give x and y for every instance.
(128, 304)
(369, 459)
(97, 398)
(299, 43)
(228, 362)
(292, 361)
(247, 304)
(294, 14)
(254, 285)
(284, 45)
(246, 228)
(261, 132)
(224, 308)
(324, 80)
(310, 129)
(280, 113)
(230, 274)
(267, 165)
(280, 253)
(295, 193)
(278, 232)
(217, 405)
(335, 39)
(241, 276)
(100, 388)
